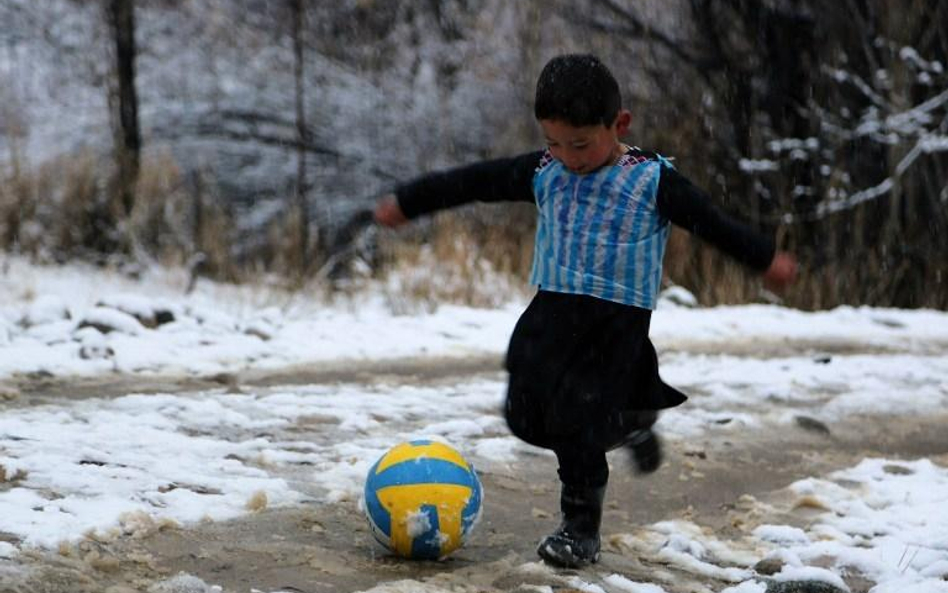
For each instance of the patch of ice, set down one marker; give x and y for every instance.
(747, 587)
(781, 534)
(810, 573)
(113, 320)
(46, 308)
(623, 584)
(581, 585)
(184, 583)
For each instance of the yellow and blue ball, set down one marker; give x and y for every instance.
(422, 499)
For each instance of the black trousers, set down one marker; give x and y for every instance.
(585, 464)
(583, 376)
(582, 372)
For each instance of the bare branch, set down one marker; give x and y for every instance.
(638, 28)
(862, 24)
(936, 26)
(840, 75)
(634, 27)
(925, 145)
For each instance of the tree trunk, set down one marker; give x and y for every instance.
(302, 208)
(128, 142)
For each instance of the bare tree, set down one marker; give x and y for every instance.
(298, 16)
(825, 123)
(128, 141)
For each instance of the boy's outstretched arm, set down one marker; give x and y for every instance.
(687, 206)
(506, 179)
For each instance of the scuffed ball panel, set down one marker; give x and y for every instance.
(422, 499)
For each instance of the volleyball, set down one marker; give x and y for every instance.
(422, 500)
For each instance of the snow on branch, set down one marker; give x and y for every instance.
(925, 145)
(934, 143)
(933, 103)
(825, 208)
(911, 55)
(757, 165)
(840, 75)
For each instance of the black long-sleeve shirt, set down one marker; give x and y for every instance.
(578, 364)
(511, 179)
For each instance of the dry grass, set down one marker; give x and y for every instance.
(477, 256)
(176, 218)
(481, 256)
(52, 209)
(64, 209)
(713, 278)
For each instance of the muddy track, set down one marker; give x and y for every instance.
(725, 483)
(37, 389)
(48, 389)
(728, 481)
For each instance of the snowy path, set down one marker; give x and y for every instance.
(112, 432)
(113, 467)
(80, 465)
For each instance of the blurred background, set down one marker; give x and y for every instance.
(246, 138)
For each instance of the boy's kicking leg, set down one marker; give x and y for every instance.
(583, 476)
(642, 442)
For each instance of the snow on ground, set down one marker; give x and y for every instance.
(80, 321)
(188, 457)
(881, 519)
(117, 465)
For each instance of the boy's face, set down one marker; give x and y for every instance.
(585, 149)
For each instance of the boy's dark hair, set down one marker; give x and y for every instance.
(577, 89)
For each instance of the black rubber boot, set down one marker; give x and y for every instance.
(575, 542)
(646, 450)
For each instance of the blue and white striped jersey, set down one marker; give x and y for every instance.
(600, 234)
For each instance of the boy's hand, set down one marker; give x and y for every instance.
(388, 212)
(782, 271)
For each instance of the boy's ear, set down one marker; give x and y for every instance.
(623, 121)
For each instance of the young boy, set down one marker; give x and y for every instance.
(583, 374)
